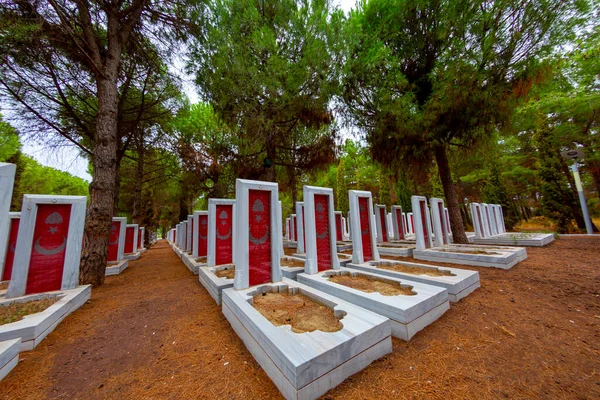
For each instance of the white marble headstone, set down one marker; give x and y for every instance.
(318, 230)
(7, 181)
(28, 245)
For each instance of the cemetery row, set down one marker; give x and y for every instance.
(40, 252)
(327, 310)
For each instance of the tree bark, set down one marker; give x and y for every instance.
(137, 197)
(117, 188)
(102, 188)
(456, 222)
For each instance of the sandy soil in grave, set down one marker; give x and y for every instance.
(368, 284)
(153, 332)
(292, 263)
(288, 251)
(409, 269)
(299, 311)
(16, 311)
(228, 273)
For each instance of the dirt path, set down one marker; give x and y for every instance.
(154, 332)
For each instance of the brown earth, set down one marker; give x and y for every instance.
(297, 310)
(369, 284)
(288, 251)
(292, 263)
(227, 273)
(409, 269)
(16, 311)
(153, 332)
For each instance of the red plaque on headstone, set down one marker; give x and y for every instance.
(129, 237)
(48, 252)
(400, 222)
(338, 227)
(412, 223)
(224, 234)
(423, 207)
(365, 228)
(202, 235)
(139, 238)
(295, 226)
(10, 251)
(113, 241)
(259, 236)
(382, 222)
(322, 232)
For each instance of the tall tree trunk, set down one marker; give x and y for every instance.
(137, 197)
(102, 188)
(456, 221)
(117, 188)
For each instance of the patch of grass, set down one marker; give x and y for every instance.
(16, 311)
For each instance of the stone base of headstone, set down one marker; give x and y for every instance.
(214, 284)
(458, 286)
(396, 249)
(132, 256)
(344, 246)
(115, 268)
(342, 258)
(478, 256)
(290, 244)
(142, 250)
(9, 356)
(408, 314)
(190, 262)
(33, 329)
(521, 239)
(291, 272)
(325, 359)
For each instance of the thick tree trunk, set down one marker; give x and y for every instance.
(456, 222)
(102, 188)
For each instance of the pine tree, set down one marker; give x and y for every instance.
(556, 197)
(384, 190)
(494, 192)
(342, 189)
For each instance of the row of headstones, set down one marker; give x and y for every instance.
(488, 220)
(395, 225)
(208, 233)
(431, 229)
(124, 239)
(40, 247)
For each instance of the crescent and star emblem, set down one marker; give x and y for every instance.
(258, 207)
(320, 210)
(52, 219)
(113, 228)
(223, 217)
(203, 228)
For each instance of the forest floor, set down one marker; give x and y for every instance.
(153, 332)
